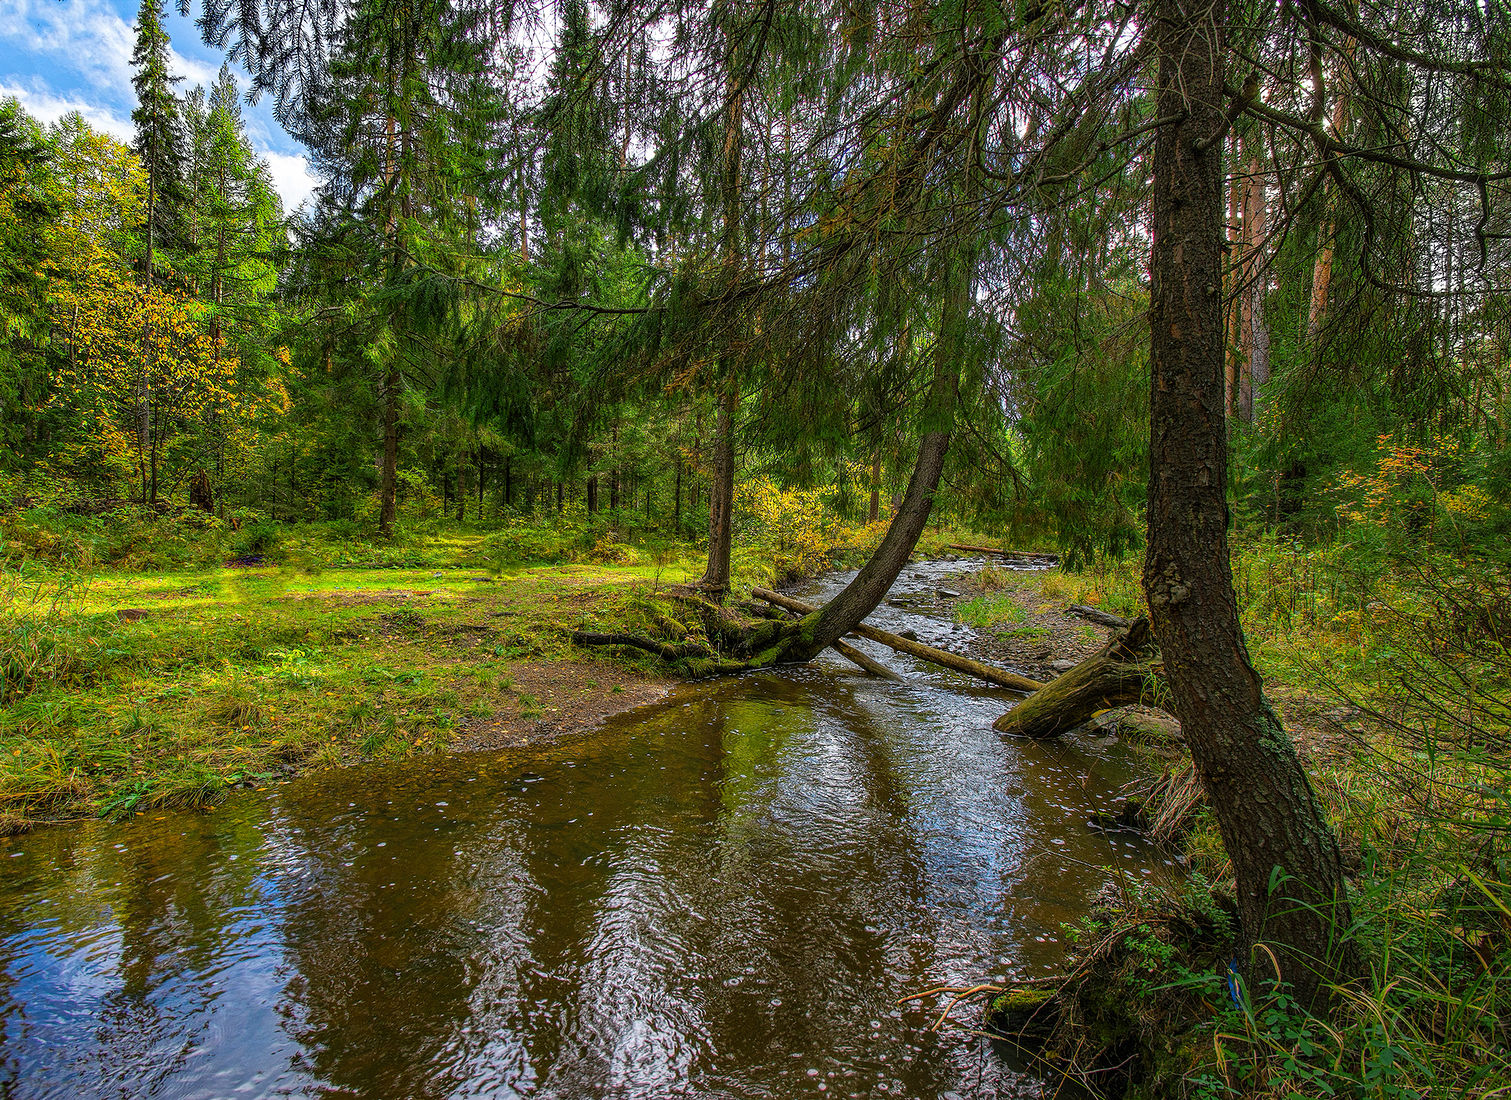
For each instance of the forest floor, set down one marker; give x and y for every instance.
(130, 689)
(167, 688)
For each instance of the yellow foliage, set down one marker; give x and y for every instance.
(143, 365)
(791, 523)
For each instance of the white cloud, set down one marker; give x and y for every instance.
(42, 104)
(89, 37)
(292, 178)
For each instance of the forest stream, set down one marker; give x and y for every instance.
(720, 895)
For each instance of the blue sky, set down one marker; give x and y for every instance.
(58, 56)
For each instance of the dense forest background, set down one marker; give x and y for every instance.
(569, 261)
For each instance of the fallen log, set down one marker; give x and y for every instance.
(1096, 615)
(1000, 677)
(874, 667)
(665, 650)
(1123, 671)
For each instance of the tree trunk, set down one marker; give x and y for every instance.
(592, 494)
(1322, 269)
(715, 581)
(677, 502)
(1255, 368)
(389, 488)
(847, 609)
(1285, 856)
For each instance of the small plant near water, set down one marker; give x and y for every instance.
(990, 610)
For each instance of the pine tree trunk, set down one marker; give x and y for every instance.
(715, 581)
(1255, 368)
(1322, 269)
(1285, 856)
(388, 491)
(859, 598)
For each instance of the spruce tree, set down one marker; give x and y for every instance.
(159, 140)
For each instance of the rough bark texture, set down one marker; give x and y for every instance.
(1285, 856)
(1122, 673)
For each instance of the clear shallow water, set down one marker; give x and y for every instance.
(719, 896)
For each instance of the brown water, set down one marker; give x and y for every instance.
(719, 896)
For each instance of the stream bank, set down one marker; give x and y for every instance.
(722, 894)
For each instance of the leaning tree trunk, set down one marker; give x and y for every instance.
(816, 632)
(1285, 856)
(715, 582)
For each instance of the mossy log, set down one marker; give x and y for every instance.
(1122, 672)
(665, 650)
(991, 675)
(1097, 615)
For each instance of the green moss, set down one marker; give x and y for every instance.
(1022, 1014)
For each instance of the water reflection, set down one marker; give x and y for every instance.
(721, 896)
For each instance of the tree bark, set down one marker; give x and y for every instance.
(1285, 856)
(1254, 370)
(1322, 269)
(715, 580)
(390, 482)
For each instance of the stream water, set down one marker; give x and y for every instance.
(722, 895)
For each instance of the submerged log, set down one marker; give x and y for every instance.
(874, 667)
(1122, 672)
(1000, 677)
